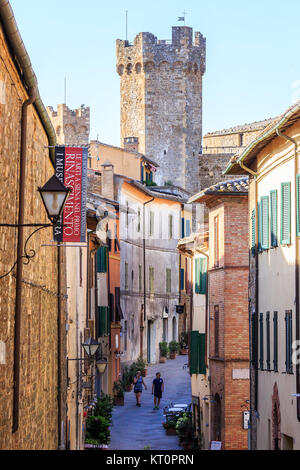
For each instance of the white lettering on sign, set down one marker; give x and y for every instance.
(2, 353)
(2, 92)
(240, 374)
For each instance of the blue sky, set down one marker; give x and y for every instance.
(253, 66)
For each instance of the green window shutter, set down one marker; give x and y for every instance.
(194, 353)
(201, 354)
(102, 259)
(268, 341)
(275, 341)
(170, 226)
(298, 205)
(253, 339)
(265, 223)
(181, 279)
(168, 280)
(151, 279)
(182, 228)
(253, 230)
(288, 341)
(203, 275)
(259, 225)
(103, 322)
(261, 341)
(285, 213)
(273, 218)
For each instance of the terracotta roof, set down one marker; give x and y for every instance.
(285, 120)
(235, 187)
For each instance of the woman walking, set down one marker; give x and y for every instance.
(138, 387)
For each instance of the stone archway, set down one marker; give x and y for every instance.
(276, 419)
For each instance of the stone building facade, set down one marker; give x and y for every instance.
(42, 384)
(72, 127)
(161, 101)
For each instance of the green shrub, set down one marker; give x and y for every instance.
(174, 347)
(163, 349)
(104, 407)
(118, 389)
(140, 364)
(97, 428)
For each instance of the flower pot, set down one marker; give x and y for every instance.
(172, 355)
(184, 351)
(171, 431)
(118, 401)
(162, 359)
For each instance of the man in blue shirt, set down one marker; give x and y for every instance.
(157, 390)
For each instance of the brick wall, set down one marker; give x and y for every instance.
(38, 423)
(228, 290)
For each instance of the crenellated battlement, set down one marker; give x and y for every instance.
(72, 127)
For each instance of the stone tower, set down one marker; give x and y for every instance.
(161, 101)
(72, 127)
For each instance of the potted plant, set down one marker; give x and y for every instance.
(170, 427)
(118, 393)
(163, 350)
(184, 343)
(174, 348)
(184, 429)
(104, 407)
(97, 432)
(126, 379)
(141, 365)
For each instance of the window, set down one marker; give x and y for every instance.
(268, 341)
(103, 323)
(125, 335)
(197, 353)
(216, 241)
(168, 280)
(188, 228)
(288, 341)
(170, 226)
(273, 218)
(102, 259)
(126, 276)
(139, 220)
(216, 324)
(151, 279)
(182, 227)
(285, 213)
(265, 223)
(253, 230)
(261, 341)
(140, 278)
(182, 275)
(151, 224)
(200, 275)
(275, 341)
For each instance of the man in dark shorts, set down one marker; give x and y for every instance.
(157, 390)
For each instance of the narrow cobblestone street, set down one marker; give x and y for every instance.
(134, 428)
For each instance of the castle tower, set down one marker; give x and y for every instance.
(161, 101)
(72, 127)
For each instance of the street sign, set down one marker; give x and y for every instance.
(215, 445)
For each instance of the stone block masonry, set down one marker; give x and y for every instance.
(72, 127)
(161, 101)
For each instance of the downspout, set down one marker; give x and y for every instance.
(296, 171)
(144, 257)
(18, 313)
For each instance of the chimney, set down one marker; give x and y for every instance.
(107, 170)
(131, 144)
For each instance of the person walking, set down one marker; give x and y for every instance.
(157, 390)
(138, 387)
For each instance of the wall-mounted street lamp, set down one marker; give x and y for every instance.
(91, 347)
(54, 196)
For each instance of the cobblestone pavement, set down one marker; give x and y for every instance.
(134, 428)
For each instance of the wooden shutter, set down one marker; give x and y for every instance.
(253, 339)
(259, 225)
(285, 213)
(170, 226)
(261, 341)
(288, 341)
(203, 275)
(265, 223)
(103, 324)
(194, 353)
(168, 280)
(102, 259)
(275, 341)
(182, 228)
(201, 354)
(253, 230)
(298, 205)
(181, 279)
(273, 218)
(268, 340)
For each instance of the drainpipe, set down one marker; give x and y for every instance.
(144, 255)
(296, 171)
(18, 320)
